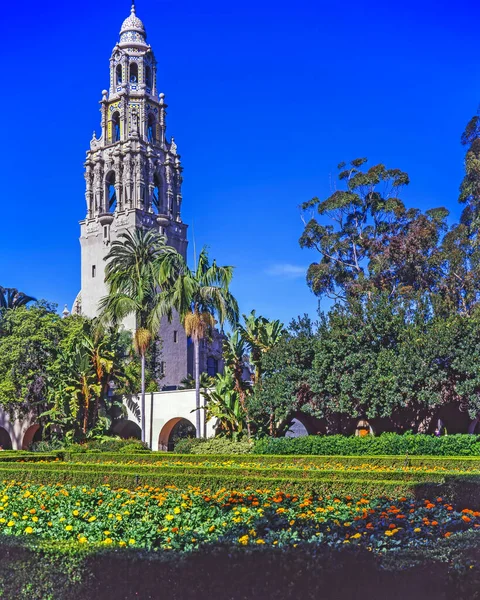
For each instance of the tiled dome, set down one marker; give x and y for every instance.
(133, 30)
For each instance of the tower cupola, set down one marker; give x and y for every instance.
(133, 32)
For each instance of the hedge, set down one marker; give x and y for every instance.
(385, 444)
(23, 456)
(32, 570)
(448, 462)
(212, 471)
(461, 490)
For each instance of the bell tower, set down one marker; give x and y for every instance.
(133, 178)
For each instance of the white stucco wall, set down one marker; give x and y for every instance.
(162, 407)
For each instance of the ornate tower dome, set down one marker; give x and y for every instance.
(133, 31)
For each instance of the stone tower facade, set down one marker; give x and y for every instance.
(133, 179)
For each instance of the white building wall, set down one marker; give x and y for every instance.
(162, 407)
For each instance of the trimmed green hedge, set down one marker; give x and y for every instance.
(23, 456)
(263, 472)
(462, 490)
(385, 444)
(33, 570)
(449, 462)
(219, 445)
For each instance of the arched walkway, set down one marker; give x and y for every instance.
(173, 430)
(5, 441)
(296, 429)
(127, 429)
(33, 434)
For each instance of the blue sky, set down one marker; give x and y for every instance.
(265, 99)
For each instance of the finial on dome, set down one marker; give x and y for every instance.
(133, 7)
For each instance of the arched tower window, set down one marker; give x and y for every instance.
(116, 127)
(151, 128)
(157, 194)
(133, 73)
(111, 194)
(148, 76)
(119, 74)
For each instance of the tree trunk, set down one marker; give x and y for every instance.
(197, 387)
(143, 398)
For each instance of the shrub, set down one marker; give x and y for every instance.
(110, 444)
(47, 445)
(382, 445)
(213, 446)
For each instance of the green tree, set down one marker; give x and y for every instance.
(29, 340)
(286, 379)
(260, 335)
(131, 274)
(223, 403)
(198, 297)
(368, 239)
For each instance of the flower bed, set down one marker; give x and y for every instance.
(185, 519)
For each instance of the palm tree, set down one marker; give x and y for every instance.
(260, 335)
(197, 296)
(12, 298)
(234, 351)
(131, 275)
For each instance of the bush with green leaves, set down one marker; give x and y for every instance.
(385, 444)
(219, 445)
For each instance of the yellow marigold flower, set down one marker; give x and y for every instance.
(291, 522)
(82, 540)
(34, 519)
(75, 513)
(106, 533)
(244, 510)
(2, 520)
(176, 510)
(24, 517)
(259, 541)
(14, 514)
(50, 524)
(131, 541)
(389, 533)
(92, 518)
(29, 530)
(355, 536)
(68, 528)
(108, 541)
(169, 517)
(32, 511)
(417, 530)
(10, 523)
(122, 544)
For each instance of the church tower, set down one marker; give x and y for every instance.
(133, 179)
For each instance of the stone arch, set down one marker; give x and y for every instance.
(127, 429)
(296, 429)
(5, 439)
(364, 428)
(177, 425)
(32, 434)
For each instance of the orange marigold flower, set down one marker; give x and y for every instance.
(448, 534)
(466, 519)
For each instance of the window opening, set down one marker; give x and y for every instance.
(133, 73)
(119, 74)
(94, 270)
(115, 127)
(212, 366)
(111, 192)
(175, 336)
(148, 76)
